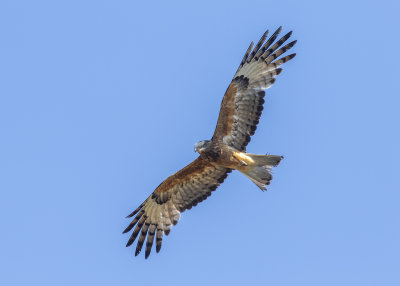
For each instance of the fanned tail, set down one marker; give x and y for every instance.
(258, 168)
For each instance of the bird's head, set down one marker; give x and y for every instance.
(200, 146)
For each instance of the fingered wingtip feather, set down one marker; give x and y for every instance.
(138, 248)
(135, 211)
(146, 254)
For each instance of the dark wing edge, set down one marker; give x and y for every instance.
(242, 104)
(179, 192)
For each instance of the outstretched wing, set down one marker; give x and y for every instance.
(243, 101)
(177, 193)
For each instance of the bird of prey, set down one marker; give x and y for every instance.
(239, 115)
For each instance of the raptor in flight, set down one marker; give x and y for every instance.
(239, 115)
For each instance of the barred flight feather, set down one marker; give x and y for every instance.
(246, 55)
(258, 46)
(150, 240)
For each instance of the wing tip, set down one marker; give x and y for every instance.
(129, 243)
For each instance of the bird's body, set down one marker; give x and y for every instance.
(218, 153)
(223, 155)
(239, 115)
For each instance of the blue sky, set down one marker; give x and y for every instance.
(102, 100)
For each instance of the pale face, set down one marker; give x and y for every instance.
(200, 146)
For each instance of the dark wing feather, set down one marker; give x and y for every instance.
(177, 193)
(243, 101)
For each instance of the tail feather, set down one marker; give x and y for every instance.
(259, 171)
(266, 160)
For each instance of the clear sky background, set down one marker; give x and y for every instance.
(102, 100)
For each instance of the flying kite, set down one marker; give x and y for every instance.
(239, 115)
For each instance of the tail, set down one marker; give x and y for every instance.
(258, 168)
